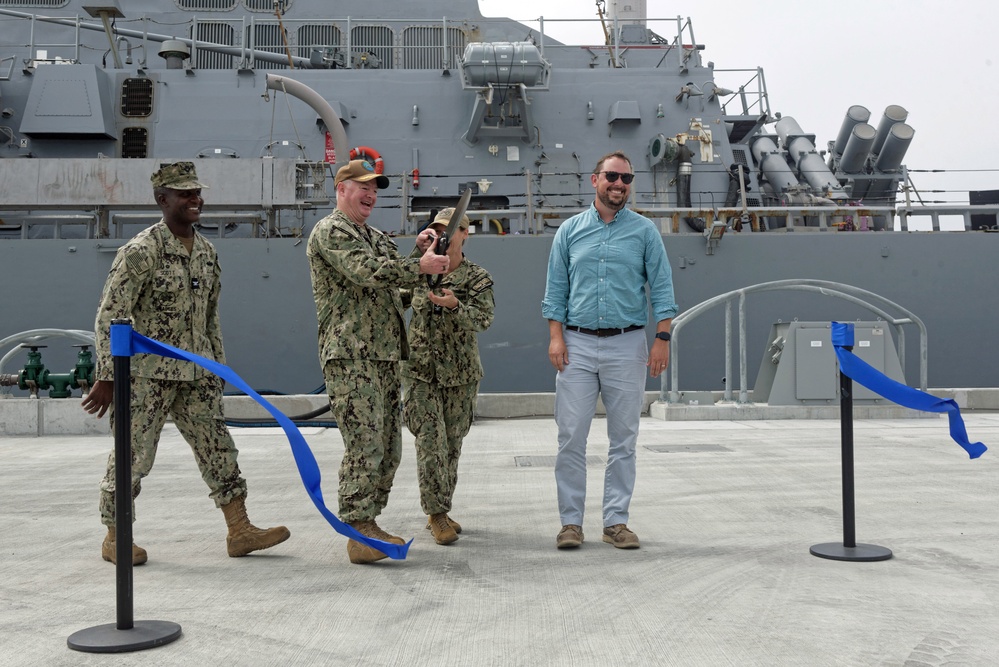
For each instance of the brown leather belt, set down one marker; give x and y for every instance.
(603, 333)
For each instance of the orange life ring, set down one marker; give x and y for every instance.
(369, 153)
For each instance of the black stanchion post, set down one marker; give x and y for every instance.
(849, 549)
(123, 487)
(125, 635)
(846, 458)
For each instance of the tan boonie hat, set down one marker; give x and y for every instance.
(177, 176)
(444, 217)
(361, 171)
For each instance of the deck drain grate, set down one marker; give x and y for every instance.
(690, 449)
(549, 461)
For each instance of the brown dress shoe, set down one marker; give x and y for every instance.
(620, 536)
(569, 537)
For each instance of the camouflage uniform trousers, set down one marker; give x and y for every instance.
(366, 402)
(196, 408)
(439, 417)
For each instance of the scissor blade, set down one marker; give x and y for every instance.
(459, 212)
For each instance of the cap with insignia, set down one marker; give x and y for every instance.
(177, 176)
(444, 218)
(361, 171)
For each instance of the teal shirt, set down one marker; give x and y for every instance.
(597, 272)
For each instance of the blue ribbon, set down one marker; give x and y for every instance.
(125, 342)
(862, 372)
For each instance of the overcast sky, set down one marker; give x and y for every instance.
(938, 60)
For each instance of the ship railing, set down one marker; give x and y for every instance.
(935, 218)
(968, 218)
(389, 43)
(256, 42)
(213, 224)
(751, 95)
(533, 220)
(123, 225)
(875, 303)
(491, 219)
(785, 219)
(9, 61)
(21, 227)
(72, 50)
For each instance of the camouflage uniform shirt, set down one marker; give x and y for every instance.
(445, 350)
(356, 275)
(170, 296)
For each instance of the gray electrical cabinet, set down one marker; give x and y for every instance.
(799, 365)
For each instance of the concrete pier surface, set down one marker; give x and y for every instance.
(726, 511)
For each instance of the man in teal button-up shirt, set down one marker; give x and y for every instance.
(596, 306)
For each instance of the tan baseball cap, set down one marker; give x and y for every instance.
(361, 171)
(444, 218)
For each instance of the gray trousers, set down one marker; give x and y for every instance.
(613, 368)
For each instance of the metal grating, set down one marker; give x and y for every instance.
(686, 449)
(549, 461)
(740, 156)
(220, 33)
(207, 5)
(266, 37)
(310, 183)
(134, 142)
(317, 38)
(136, 97)
(423, 47)
(373, 40)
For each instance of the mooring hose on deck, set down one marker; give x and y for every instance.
(297, 420)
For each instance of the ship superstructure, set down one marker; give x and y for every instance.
(268, 97)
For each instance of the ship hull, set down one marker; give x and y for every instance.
(269, 323)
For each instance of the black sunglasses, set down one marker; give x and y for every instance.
(612, 176)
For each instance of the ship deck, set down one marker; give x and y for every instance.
(726, 511)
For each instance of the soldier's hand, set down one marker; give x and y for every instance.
(99, 398)
(432, 263)
(446, 299)
(426, 239)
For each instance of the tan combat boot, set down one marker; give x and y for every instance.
(361, 553)
(139, 555)
(454, 524)
(444, 532)
(243, 536)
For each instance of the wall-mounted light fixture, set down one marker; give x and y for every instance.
(714, 235)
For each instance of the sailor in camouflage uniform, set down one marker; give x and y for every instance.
(166, 281)
(357, 273)
(443, 373)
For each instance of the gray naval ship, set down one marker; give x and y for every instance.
(771, 232)
(95, 95)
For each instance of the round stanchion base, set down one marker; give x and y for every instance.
(861, 552)
(109, 639)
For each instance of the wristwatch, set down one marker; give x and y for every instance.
(664, 335)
